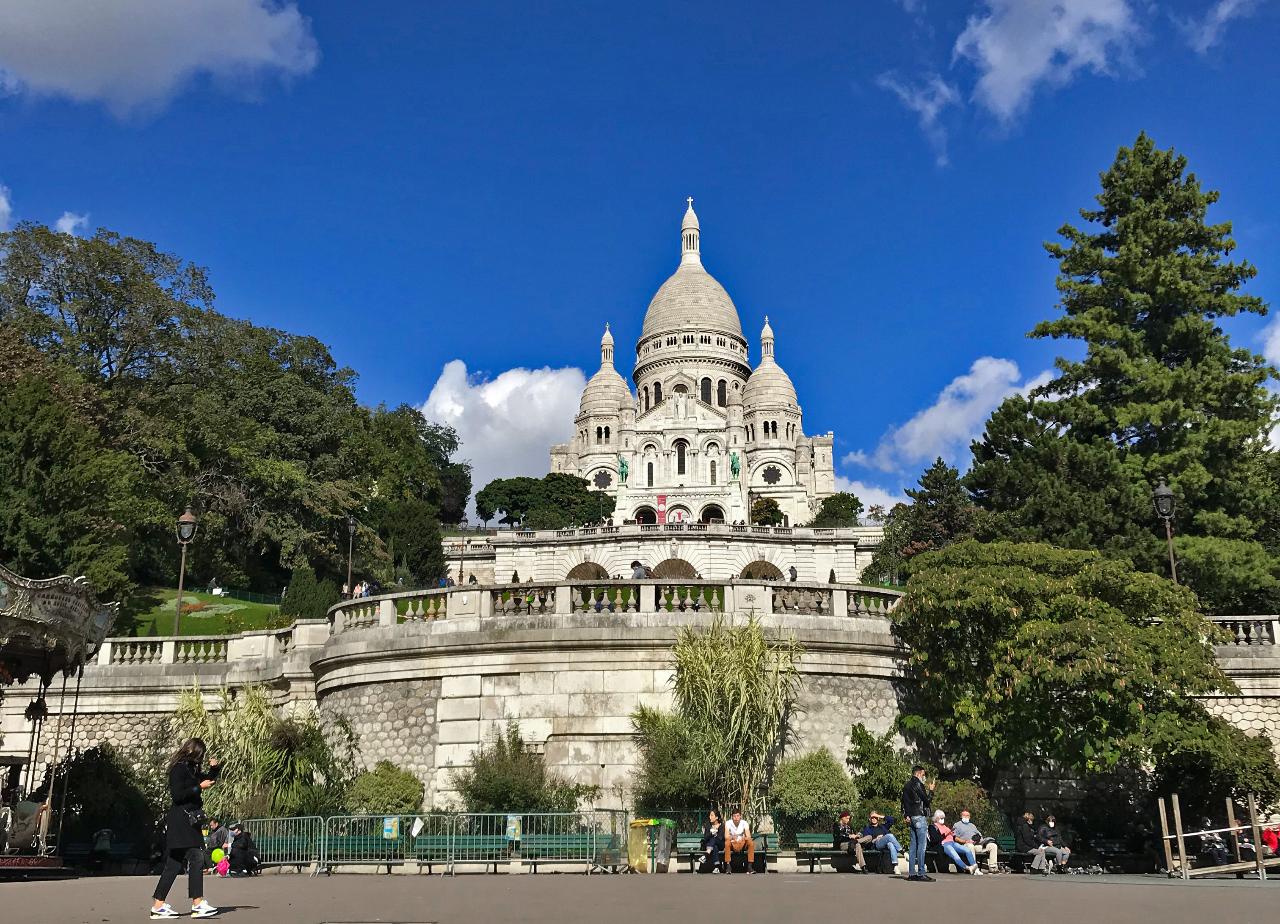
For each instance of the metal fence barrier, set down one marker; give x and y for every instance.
(595, 841)
(296, 842)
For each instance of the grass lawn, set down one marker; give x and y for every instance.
(210, 619)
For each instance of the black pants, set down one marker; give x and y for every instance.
(190, 857)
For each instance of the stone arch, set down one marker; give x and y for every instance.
(646, 514)
(761, 570)
(711, 513)
(587, 571)
(679, 513)
(778, 556)
(675, 568)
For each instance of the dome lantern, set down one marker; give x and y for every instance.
(606, 347)
(690, 234)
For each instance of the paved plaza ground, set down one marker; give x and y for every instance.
(577, 899)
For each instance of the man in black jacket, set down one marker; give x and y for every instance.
(1052, 847)
(244, 852)
(846, 840)
(916, 800)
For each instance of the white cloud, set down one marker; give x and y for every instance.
(136, 54)
(871, 495)
(6, 208)
(1271, 342)
(927, 99)
(1204, 34)
(507, 424)
(957, 417)
(70, 222)
(1018, 44)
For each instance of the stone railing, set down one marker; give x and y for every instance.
(867, 535)
(613, 596)
(207, 649)
(1250, 631)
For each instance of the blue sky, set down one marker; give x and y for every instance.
(456, 197)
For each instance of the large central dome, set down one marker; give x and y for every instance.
(691, 297)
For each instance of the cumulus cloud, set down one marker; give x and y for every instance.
(927, 98)
(1016, 45)
(6, 208)
(70, 222)
(1203, 34)
(871, 495)
(506, 424)
(1271, 342)
(136, 54)
(947, 426)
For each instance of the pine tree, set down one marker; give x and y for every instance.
(1159, 393)
(940, 512)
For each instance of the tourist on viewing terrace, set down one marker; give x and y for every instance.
(966, 833)
(942, 838)
(184, 844)
(846, 840)
(637, 571)
(916, 800)
(712, 842)
(738, 837)
(878, 835)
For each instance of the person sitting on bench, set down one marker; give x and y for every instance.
(942, 839)
(1026, 841)
(738, 838)
(845, 840)
(712, 842)
(1052, 848)
(966, 832)
(878, 835)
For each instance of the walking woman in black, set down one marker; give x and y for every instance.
(184, 842)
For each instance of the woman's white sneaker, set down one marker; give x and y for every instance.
(203, 910)
(163, 912)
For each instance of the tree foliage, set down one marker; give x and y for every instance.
(555, 501)
(1029, 655)
(505, 776)
(766, 512)
(385, 790)
(668, 778)
(1160, 392)
(121, 382)
(307, 598)
(940, 513)
(878, 767)
(839, 509)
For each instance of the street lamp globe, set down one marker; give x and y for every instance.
(351, 524)
(187, 526)
(1163, 497)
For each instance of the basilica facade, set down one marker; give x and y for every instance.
(703, 435)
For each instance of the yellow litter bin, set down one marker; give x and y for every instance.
(649, 844)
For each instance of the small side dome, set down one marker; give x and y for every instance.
(769, 385)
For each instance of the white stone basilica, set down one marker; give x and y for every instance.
(704, 435)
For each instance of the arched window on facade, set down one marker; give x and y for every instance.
(681, 446)
(606, 436)
(657, 392)
(649, 473)
(646, 397)
(599, 434)
(706, 390)
(713, 473)
(722, 393)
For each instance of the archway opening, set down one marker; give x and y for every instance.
(646, 515)
(761, 571)
(712, 513)
(675, 568)
(587, 571)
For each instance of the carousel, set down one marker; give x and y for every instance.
(49, 629)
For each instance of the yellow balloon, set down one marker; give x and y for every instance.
(218, 855)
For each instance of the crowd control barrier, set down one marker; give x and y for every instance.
(297, 842)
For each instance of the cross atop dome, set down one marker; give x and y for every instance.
(689, 235)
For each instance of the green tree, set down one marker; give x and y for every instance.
(307, 598)
(1160, 391)
(879, 769)
(839, 509)
(384, 790)
(766, 512)
(668, 778)
(808, 793)
(505, 776)
(556, 501)
(940, 513)
(1029, 655)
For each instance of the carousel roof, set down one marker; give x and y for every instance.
(48, 626)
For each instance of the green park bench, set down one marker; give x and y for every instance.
(596, 851)
(431, 850)
(815, 847)
(688, 847)
(362, 850)
(287, 850)
(480, 849)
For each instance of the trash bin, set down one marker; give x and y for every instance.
(649, 844)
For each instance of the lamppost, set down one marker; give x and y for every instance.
(351, 539)
(462, 567)
(186, 530)
(1163, 497)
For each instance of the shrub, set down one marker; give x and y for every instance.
(667, 780)
(951, 797)
(385, 790)
(808, 793)
(505, 776)
(879, 769)
(308, 598)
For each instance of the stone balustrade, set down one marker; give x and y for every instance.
(869, 534)
(1250, 631)
(204, 649)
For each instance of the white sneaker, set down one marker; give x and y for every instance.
(203, 910)
(164, 911)
(977, 871)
